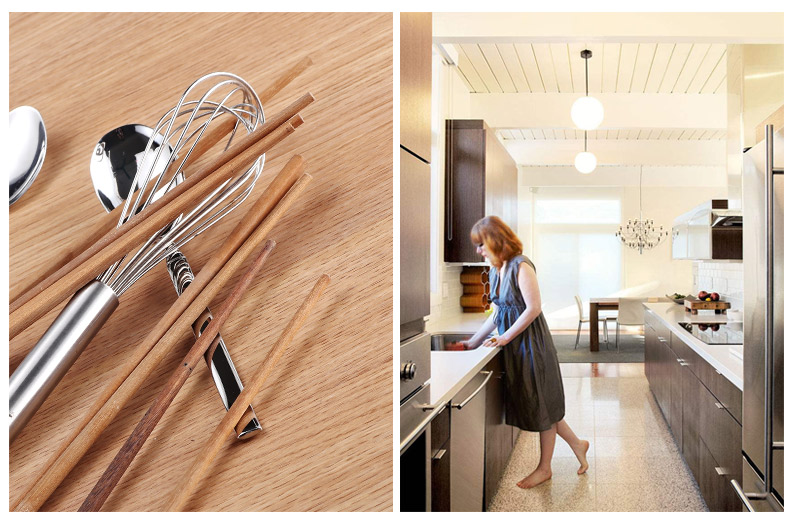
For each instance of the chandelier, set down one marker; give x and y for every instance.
(641, 234)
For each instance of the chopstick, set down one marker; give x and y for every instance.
(212, 136)
(120, 240)
(220, 434)
(248, 233)
(101, 491)
(209, 450)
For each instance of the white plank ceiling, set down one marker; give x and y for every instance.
(614, 67)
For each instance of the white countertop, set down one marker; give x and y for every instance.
(719, 356)
(458, 323)
(452, 370)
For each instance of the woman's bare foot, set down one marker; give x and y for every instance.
(581, 455)
(538, 476)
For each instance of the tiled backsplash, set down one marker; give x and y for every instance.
(725, 278)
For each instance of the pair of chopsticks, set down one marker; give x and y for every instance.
(43, 297)
(280, 195)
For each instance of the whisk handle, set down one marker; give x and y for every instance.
(58, 349)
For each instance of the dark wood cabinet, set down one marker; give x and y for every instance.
(499, 435)
(702, 409)
(440, 462)
(415, 83)
(481, 179)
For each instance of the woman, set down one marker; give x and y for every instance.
(534, 397)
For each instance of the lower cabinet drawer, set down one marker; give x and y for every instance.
(714, 484)
(440, 479)
(721, 434)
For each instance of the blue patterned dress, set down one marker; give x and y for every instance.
(534, 396)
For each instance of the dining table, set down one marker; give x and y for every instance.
(600, 304)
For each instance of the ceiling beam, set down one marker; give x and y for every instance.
(620, 110)
(619, 152)
(734, 28)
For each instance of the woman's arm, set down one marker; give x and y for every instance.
(482, 333)
(528, 284)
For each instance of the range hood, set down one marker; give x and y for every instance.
(710, 231)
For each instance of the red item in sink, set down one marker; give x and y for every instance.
(455, 346)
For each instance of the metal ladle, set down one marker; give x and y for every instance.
(113, 166)
(29, 145)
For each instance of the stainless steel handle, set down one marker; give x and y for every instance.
(742, 495)
(448, 187)
(439, 454)
(435, 411)
(719, 405)
(769, 305)
(461, 405)
(223, 372)
(721, 471)
(684, 364)
(56, 352)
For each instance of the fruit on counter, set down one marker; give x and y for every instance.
(714, 327)
(702, 295)
(714, 297)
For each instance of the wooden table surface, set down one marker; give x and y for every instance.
(327, 411)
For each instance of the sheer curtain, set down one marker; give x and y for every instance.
(574, 247)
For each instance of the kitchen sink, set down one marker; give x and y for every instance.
(449, 341)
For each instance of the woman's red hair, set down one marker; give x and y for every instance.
(499, 239)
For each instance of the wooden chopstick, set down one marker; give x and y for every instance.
(120, 240)
(213, 135)
(214, 443)
(248, 234)
(101, 491)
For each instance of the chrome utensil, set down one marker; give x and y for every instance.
(113, 167)
(29, 145)
(82, 317)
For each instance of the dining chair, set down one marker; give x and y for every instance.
(630, 313)
(583, 320)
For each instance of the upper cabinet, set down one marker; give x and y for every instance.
(415, 84)
(481, 179)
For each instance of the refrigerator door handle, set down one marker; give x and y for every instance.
(744, 497)
(769, 305)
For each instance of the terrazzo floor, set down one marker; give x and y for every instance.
(634, 462)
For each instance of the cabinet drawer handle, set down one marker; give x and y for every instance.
(684, 364)
(721, 471)
(743, 496)
(440, 453)
(461, 405)
(720, 406)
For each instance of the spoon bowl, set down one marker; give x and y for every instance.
(29, 140)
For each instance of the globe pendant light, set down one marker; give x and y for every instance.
(585, 162)
(587, 112)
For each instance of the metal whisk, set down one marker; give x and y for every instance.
(210, 98)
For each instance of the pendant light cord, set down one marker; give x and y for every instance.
(586, 78)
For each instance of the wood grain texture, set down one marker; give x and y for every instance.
(329, 414)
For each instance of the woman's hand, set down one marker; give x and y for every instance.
(497, 341)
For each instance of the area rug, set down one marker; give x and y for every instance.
(632, 349)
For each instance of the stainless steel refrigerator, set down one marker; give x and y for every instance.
(763, 351)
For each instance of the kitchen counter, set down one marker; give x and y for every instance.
(452, 370)
(460, 323)
(719, 356)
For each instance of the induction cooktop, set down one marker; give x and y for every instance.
(726, 333)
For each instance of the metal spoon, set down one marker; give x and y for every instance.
(113, 166)
(29, 142)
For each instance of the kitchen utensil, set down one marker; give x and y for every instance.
(217, 439)
(63, 282)
(113, 169)
(204, 343)
(135, 370)
(82, 317)
(29, 145)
